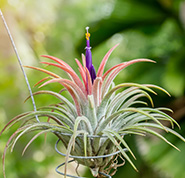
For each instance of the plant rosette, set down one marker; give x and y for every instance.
(93, 124)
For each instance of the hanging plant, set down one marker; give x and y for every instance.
(94, 123)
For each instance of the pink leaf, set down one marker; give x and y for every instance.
(7, 144)
(82, 71)
(112, 68)
(61, 62)
(96, 90)
(46, 78)
(83, 60)
(89, 82)
(37, 135)
(11, 122)
(72, 74)
(104, 61)
(44, 71)
(111, 77)
(73, 95)
(75, 87)
(84, 80)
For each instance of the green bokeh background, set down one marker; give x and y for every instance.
(152, 29)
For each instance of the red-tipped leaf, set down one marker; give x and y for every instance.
(75, 87)
(111, 77)
(44, 71)
(71, 73)
(59, 61)
(104, 61)
(89, 82)
(44, 79)
(82, 71)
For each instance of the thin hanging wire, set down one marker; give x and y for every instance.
(20, 63)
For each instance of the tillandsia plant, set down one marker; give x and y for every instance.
(99, 115)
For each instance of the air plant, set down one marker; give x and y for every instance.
(99, 115)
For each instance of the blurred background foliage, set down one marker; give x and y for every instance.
(152, 29)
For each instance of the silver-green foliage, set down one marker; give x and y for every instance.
(97, 109)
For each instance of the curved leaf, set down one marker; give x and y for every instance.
(44, 71)
(60, 97)
(97, 90)
(71, 73)
(104, 61)
(111, 77)
(114, 141)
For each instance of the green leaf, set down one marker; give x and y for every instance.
(70, 106)
(140, 127)
(86, 121)
(163, 114)
(159, 127)
(119, 148)
(91, 114)
(121, 140)
(60, 109)
(102, 108)
(37, 135)
(122, 99)
(134, 110)
(70, 144)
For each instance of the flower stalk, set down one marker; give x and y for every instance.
(88, 56)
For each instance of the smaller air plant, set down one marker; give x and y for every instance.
(99, 115)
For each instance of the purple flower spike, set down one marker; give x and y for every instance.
(88, 56)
